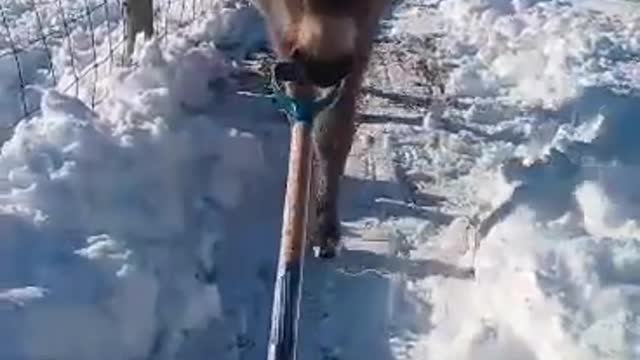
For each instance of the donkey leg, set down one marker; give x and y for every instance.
(333, 136)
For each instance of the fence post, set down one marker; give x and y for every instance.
(139, 18)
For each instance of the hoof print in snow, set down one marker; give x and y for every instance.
(210, 203)
(217, 85)
(243, 342)
(207, 277)
(265, 273)
(330, 354)
(325, 252)
(469, 273)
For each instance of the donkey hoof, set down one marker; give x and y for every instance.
(328, 250)
(324, 253)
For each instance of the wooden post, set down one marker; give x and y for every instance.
(288, 286)
(139, 18)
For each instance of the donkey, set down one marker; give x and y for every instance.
(332, 41)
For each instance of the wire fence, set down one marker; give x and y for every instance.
(72, 44)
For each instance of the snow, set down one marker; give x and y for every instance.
(148, 226)
(550, 92)
(541, 57)
(114, 214)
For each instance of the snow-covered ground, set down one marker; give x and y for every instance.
(148, 228)
(537, 143)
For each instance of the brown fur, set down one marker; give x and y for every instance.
(325, 32)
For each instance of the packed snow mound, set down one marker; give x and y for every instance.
(109, 219)
(541, 55)
(547, 143)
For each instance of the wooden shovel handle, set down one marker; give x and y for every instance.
(297, 194)
(288, 286)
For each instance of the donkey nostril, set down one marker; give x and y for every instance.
(321, 72)
(296, 54)
(328, 73)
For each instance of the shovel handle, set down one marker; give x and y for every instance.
(288, 286)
